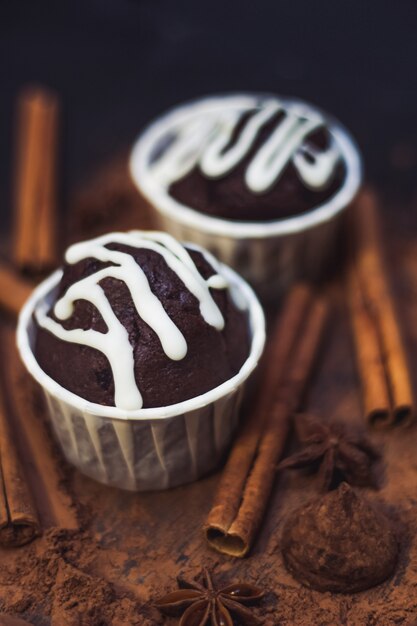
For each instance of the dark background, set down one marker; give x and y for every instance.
(118, 63)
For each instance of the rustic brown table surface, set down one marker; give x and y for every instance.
(128, 548)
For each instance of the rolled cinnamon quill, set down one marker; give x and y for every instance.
(388, 396)
(19, 522)
(14, 290)
(250, 471)
(56, 507)
(35, 232)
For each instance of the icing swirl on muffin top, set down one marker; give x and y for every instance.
(115, 344)
(212, 142)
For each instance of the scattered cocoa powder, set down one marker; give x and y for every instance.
(51, 578)
(9, 620)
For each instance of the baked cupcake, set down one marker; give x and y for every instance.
(142, 346)
(259, 180)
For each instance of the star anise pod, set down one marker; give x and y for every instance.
(335, 452)
(203, 605)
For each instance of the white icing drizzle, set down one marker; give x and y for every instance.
(115, 344)
(203, 141)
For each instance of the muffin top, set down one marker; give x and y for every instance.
(141, 321)
(249, 159)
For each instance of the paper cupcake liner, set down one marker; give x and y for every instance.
(147, 449)
(146, 455)
(270, 255)
(271, 264)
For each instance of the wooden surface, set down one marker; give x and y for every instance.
(128, 548)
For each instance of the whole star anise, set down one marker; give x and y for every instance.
(335, 452)
(203, 605)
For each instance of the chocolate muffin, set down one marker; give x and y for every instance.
(141, 321)
(273, 160)
(262, 181)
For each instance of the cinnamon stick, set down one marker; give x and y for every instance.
(376, 400)
(55, 505)
(244, 489)
(14, 290)
(388, 395)
(35, 227)
(240, 460)
(19, 523)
